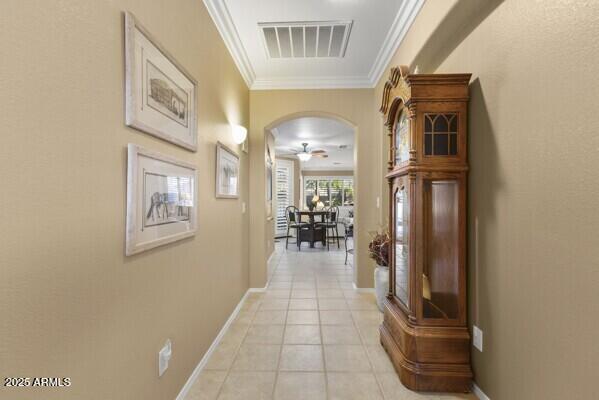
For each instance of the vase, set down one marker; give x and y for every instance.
(381, 285)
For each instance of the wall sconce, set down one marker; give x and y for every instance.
(239, 133)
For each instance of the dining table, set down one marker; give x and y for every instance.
(312, 233)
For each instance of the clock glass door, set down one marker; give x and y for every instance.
(440, 279)
(401, 236)
(402, 135)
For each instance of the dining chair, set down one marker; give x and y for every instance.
(293, 222)
(331, 222)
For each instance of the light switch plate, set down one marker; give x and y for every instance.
(243, 207)
(164, 356)
(477, 338)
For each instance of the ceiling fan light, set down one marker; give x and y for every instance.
(239, 133)
(304, 156)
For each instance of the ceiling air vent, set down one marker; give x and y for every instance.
(306, 39)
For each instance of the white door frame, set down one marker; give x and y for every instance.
(289, 166)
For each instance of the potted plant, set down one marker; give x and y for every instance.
(378, 250)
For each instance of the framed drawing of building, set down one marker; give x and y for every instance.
(160, 96)
(161, 200)
(227, 173)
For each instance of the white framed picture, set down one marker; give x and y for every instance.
(227, 172)
(162, 200)
(160, 96)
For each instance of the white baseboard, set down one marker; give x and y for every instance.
(215, 343)
(256, 290)
(362, 290)
(479, 393)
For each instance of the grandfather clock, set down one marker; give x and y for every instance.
(425, 330)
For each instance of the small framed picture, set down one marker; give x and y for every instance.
(160, 96)
(162, 200)
(227, 173)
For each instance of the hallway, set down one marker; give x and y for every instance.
(157, 154)
(310, 335)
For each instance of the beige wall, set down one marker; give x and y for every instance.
(72, 304)
(356, 106)
(533, 254)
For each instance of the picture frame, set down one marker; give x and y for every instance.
(162, 200)
(160, 95)
(227, 172)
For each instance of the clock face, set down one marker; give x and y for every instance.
(402, 136)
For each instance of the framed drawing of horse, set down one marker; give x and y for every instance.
(161, 200)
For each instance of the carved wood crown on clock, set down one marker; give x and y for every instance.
(405, 92)
(425, 328)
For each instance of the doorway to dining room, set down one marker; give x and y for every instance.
(313, 180)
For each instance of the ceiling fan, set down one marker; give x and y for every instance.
(305, 155)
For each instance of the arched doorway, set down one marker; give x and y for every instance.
(270, 109)
(313, 147)
(329, 173)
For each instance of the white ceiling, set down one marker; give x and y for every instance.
(377, 30)
(320, 134)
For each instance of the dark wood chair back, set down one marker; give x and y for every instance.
(291, 214)
(333, 214)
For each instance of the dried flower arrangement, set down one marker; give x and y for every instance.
(378, 249)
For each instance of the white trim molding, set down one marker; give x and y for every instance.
(198, 369)
(320, 82)
(479, 393)
(196, 372)
(257, 289)
(224, 23)
(406, 15)
(362, 290)
(401, 24)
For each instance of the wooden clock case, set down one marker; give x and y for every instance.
(425, 329)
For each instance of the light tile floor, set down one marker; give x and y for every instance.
(309, 336)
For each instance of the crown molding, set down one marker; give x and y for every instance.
(224, 23)
(401, 24)
(317, 82)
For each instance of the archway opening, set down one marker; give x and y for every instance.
(311, 167)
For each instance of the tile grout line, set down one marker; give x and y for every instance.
(274, 386)
(228, 372)
(296, 272)
(364, 345)
(324, 362)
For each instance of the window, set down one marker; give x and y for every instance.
(440, 134)
(310, 186)
(323, 191)
(332, 191)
